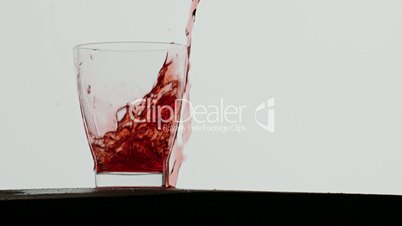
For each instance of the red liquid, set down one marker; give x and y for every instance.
(142, 145)
(177, 156)
(148, 146)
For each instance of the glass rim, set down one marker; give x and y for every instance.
(102, 46)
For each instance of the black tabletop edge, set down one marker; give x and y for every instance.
(66, 193)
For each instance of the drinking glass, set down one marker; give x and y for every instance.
(132, 96)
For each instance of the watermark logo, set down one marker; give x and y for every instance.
(267, 119)
(221, 117)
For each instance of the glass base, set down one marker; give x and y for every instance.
(124, 179)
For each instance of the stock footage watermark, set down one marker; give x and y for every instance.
(219, 117)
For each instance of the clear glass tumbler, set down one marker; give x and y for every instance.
(131, 96)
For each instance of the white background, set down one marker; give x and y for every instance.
(334, 68)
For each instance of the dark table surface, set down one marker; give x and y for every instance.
(158, 205)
